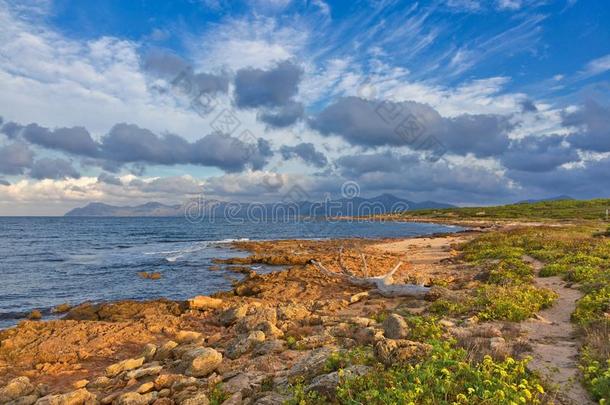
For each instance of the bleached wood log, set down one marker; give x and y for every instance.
(383, 284)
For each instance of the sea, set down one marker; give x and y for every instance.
(47, 261)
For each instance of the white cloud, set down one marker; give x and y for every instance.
(598, 66)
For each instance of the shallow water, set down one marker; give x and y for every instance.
(48, 261)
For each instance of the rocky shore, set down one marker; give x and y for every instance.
(251, 345)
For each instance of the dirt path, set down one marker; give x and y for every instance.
(554, 341)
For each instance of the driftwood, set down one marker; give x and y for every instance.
(383, 285)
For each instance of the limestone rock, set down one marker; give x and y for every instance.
(390, 351)
(269, 329)
(27, 400)
(292, 312)
(144, 372)
(148, 352)
(17, 387)
(395, 327)
(311, 365)
(260, 314)
(125, 365)
(233, 314)
(78, 397)
(187, 336)
(202, 361)
(273, 398)
(199, 399)
(204, 302)
(165, 351)
(244, 344)
(134, 398)
(326, 384)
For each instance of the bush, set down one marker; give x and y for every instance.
(446, 377)
(514, 303)
(592, 306)
(362, 355)
(510, 271)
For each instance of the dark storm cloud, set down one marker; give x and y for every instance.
(587, 181)
(4, 183)
(593, 124)
(394, 171)
(283, 116)
(11, 129)
(75, 140)
(109, 179)
(267, 88)
(129, 143)
(373, 123)
(180, 73)
(15, 158)
(307, 152)
(56, 169)
(538, 154)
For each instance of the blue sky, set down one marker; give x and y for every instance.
(516, 91)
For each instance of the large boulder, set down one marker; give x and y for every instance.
(201, 361)
(395, 327)
(17, 387)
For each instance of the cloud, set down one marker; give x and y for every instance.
(15, 158)
(47, 168)
(283, 116)
(597, 66)
(539, 154)
(592, 122)
(373, 123)
(307, 152)
(267, 88)
(11, 129)
(76, 140)
(129, 143)
(4, 183)
(109, 179)
(528, 106)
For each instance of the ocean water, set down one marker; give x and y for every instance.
(48, 261)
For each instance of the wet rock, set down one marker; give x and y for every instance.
(244, 344)
(395, 327)
(78, 397)
(61, 308)
(326, 384)
(201, 302)
(202, 361)
(35, 315)
(232, 315)
(125, 365)
(17, 387)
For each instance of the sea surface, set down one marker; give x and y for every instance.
(48, 261)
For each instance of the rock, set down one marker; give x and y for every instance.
(326, 384)
(487, 331)
(148, 352)
(361, 321)
(235, 399)
(165, 351)
(260, 314)
(244, 344)
(292, 312)
(358, 297)
(202, 361)
(187, 336)
(144, 372)
(368, 335)
(270, 346)
(61, 308)
(80, 384)
(78, 397)
(99, 382)
(125, 365)
(390, 351)
(446, 323)
(499, 348)
(311, 365)
(163, 401)
(35, 315)
(146, 387)
(232, 315)
(315, 341)
(204, 302)
(241, 383)
(27, 400)
(269, 329)
(134, 398)
(17, 387)
(198, 399)
(395, 327)
(272, 398)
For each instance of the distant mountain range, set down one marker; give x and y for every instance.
(557, 198)
(381, 204)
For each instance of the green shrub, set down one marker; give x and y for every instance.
(424, 328)
(597, 376)
(445, 377)
(592, 306)
(513, 303)
(510, 271)
(361, 355)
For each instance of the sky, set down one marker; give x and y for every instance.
(467, 102)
